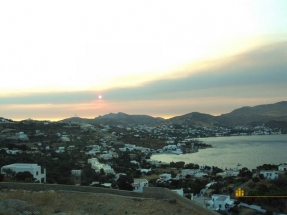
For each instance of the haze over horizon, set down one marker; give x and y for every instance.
(157, 58)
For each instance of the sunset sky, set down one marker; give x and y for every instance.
(160, 58)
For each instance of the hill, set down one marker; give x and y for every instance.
(118, 119)
(252, 116)
(194, 119)
(53, 202)
(256, 115)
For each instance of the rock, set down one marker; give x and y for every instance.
(57, 210)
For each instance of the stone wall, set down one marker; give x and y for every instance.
(153, 192)
(45, 187)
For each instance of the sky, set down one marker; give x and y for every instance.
(160, 58)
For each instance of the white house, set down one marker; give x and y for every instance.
(178, 191)
(138, 184)
(200, 174)
(60, 149)
(97, 166)
(185, 172)
(130, 145)
(72, 147)
(170, 147)
(34, 169)
(221, 202)
(170, 141)
(164, 177)
(123, 149)
(177, 151)
(92, 152)
(106, 156)
(22, 136)
(107, 169)
(134, 162)
(282, 168)
(269, 174)
(227, 173)
(145, 171)
(13, 152)
(65, 138)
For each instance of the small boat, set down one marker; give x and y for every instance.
(239, 164)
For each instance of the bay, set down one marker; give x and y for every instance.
(227, 152)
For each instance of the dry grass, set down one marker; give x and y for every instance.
(87, 204)
(149, 177)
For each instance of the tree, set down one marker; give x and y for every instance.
(1, 177)
(9, 173)
(66, 181)
(256, 179)
(178, 165)
(102, 171)
(125, 182)
(268, 212)
(24, 176)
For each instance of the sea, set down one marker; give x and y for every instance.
(228, 152)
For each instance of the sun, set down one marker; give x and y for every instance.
(100, 96)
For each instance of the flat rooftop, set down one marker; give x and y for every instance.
(22, 165)
(221, 198)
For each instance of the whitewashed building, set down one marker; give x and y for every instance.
(164, 177)
(221, 202)
(38, 173)
(178, 191)
(22, 136)
(269, 174)
(185, 172)
(282, 168)
(139, 184)
(200, 174)
(97, 166)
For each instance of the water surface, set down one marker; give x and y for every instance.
(250, 151)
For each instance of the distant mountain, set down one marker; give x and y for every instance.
(194, 119)
(256, 115)
(77, 119)
(118, 119)
(126, 119)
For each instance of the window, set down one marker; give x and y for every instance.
(37, 172)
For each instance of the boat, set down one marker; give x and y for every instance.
(239, 164)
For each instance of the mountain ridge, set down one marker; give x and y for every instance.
(240, 116)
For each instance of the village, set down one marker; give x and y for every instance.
(119, 157)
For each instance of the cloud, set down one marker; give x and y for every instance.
(254, 77)
(265, 65)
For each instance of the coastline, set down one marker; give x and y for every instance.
(250, 151)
